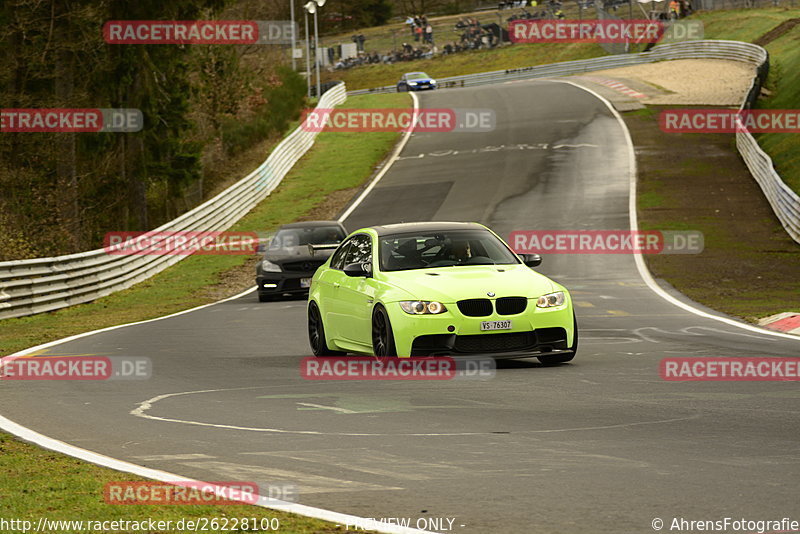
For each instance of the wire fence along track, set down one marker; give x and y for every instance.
(784, 201)
(28, 287)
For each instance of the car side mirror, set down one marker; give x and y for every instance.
(531, 260)
(358, 269)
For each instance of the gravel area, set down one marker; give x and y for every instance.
(708, 82)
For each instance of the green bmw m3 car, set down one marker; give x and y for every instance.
(437, 289)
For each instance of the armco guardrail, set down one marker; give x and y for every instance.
(785, 202)
(732, 50)
(38, 285)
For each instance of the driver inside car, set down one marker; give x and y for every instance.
(460, 251)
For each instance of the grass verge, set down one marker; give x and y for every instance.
(784, 77)
(749, 265)
(38, 483)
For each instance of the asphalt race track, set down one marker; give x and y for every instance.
(599, 445)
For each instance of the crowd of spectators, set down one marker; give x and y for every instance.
(421, 29)
(406, 53)
(472, 35)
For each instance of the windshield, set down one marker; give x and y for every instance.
(297, 237)
(452, 248)
(417, 76)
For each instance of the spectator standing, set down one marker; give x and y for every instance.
(674, 9)
(429, 34)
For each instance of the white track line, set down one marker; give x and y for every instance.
(634, 224)
(163, 476)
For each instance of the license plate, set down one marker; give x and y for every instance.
(495, 325)
(305, 282)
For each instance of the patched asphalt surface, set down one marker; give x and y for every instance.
(599, 445)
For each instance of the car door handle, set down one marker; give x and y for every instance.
(336, 284)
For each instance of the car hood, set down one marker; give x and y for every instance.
(450, 284)
(300, 253)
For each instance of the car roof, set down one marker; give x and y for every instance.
(402, 228)
(311, 224)
(418, 72)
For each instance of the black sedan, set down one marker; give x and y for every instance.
(293, 255)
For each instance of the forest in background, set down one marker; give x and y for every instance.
(203, 105)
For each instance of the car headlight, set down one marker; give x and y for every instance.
(422, 307)
(551, 300)
(433, 82)
(269, 267)
(412, 83)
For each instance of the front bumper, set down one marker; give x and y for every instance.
(539, 342)
(279, 283)
(421, 87)
(535, 332)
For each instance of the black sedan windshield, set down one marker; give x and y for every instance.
(443, 249)
(298, 237)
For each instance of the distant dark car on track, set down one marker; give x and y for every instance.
(294, 254)
(416, 81)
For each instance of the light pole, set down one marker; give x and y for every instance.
(294, 37)
(310, 7)
(320, 3)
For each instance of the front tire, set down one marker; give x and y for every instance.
(564, 358)
(382, 334)
(316, 333)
